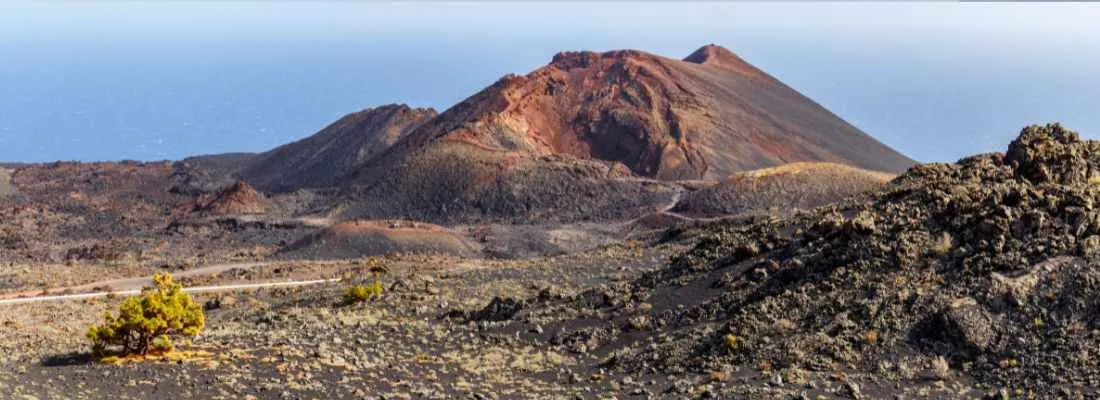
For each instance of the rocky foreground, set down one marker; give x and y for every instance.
(969, 280)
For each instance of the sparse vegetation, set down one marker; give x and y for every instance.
(943, 244)
(375, 266)
(731, 342)
(719, 376)
(940, 368)
(361, 293)
(870, 337)
(148, 322)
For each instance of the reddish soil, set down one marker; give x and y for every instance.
(237, 199)
(707, 116)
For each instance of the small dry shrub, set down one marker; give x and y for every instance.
(362, 293)
(148, 322)
(870, 337)
(731, 342)
(940, 368)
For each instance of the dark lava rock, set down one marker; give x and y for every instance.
(220, 302)
(1053, 154)
(499, 309)
(967, 326)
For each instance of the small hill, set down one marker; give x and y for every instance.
(240, 198)
(590, 136)
(781, 189)
(206, 174)
(354, 239)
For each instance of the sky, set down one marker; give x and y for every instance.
(165, 80)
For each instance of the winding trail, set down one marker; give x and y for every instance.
(667, 208)
(6, 187)
(140, 282)
(672, 203)
(131, 292)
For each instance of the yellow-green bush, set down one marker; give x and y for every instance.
(149, 321)
(361, 293)
(731, 342)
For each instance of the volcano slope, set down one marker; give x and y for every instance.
(324, 158)
(600, 136)
(983, 270)
(321, 160)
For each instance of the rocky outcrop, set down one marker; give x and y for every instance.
(1054, 154)
(351, 239)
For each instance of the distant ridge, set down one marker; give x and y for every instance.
(325, 158)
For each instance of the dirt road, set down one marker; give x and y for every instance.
(120, 286)
(197, 289)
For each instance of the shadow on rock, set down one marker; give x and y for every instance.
(63, 360)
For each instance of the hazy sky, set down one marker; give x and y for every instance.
(936, 81)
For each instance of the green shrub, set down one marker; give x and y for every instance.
(148, 322)
(361, 293)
